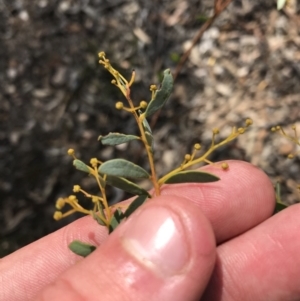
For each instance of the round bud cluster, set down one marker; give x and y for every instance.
(94, 162)
(143, 104)
(72, 198)
(187, 157)
(225, 165)
(153, 88)
(216, 131)
(95, 199)
(60, 203)
(57, 215)
(197, 146)
(71, 152)
(241, 130)
(76, 188)
(119, 105)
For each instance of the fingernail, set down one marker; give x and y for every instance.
(156, 237)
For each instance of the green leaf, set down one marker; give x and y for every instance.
(279, 204)
(81, 166)
(136, 203)
(280, 4)
(149, 139)
(116, 138)
(148, 132)
(192, 176)
(279, 207)
(126, 185)
(116, 220)
(81, 248)
(122, 168)
(161, 95)
(98, 219)
(146, 125)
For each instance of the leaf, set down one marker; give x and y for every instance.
(81, 248)
(149, 138)
(280, 4)
(126, 185)
(279, 207)
(116, 220)
(192, 176)
(161, 95)
(146, 125)
(98, 219)
(148, 132)
(116, 138)
(123, 168)
(81, 166)
(136, 203)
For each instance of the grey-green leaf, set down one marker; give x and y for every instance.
(161, 95)
(98, 219)
(115, 220)
(116, 138)
(126, 185)
(81, 248)
(149, 138)
(279, 207)
(192, 176)
(146, 125)
(136, 203)
(123, 168)
(81, 166)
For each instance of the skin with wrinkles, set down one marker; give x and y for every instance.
(256, 256)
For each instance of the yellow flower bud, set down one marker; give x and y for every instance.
(76, 188)
(72, 198)
(60, 203)
(94, 162)
(143, 104)
(153, 88)
(71, 152)
(119, 105)
(241, 130)
(57, 215)
(225, 165)
(216, 131)
(197, 146)
(187, 157)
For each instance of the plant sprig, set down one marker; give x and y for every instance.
(122, 173)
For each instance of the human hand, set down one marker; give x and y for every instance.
(257, 255)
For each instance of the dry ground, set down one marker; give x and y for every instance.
(55, 96)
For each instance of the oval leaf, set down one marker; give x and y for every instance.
(279, 207)
(126, 185)
(136, 203)
(116, 138)
(192, 176)
(122, 168)
(97, 218)
(161, 95)
(149, 139)
(81, 248)
(81, 166)
(115, 220)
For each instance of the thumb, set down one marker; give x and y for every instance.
(164, 251)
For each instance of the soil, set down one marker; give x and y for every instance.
(54, 95)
